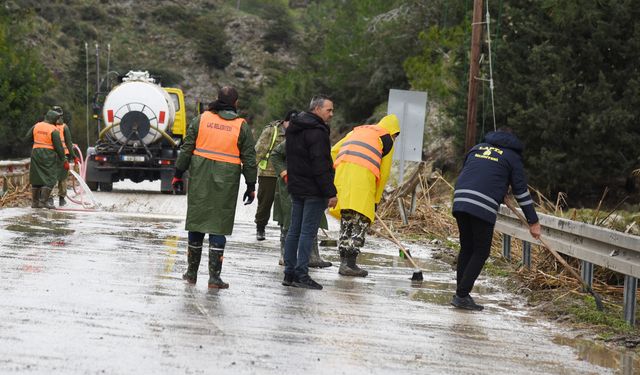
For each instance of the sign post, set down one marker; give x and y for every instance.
(410, 108)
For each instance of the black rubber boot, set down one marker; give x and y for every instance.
(260, 236)
(466, 303)
(35, 198)
(194, 254)
(45, 194)
(62, 201)
(283, 237)
(315, 261)
(216, 256)
(348, 266)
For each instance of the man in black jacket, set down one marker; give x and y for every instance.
(310, 183)
(489, 169)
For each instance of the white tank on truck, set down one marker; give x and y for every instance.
(142, 127)
(138, 109)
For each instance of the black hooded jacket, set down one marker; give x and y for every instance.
(489, 169)
(309, 165)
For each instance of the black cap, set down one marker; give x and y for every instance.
(290, 114)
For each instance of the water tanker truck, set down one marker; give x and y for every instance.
(143, 127)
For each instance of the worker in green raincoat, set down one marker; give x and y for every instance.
(70, 155)
(47, 154)
(282, 207)
(218, 147)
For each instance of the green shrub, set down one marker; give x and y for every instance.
(207, 32)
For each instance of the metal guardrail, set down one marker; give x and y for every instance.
(591, 244)
(14, 173)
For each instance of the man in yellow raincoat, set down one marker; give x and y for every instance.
(362, 160)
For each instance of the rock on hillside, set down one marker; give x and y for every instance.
(165, 37)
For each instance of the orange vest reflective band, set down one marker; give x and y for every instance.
(42, 135)
(61, 131)
(218, 138)
(363, 147)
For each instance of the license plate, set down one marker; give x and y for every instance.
(139, 158)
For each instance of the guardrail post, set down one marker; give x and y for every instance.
(403, 212)
(586, 271)
(414, 201)
(506, 246)
(526, 254)
(630, 289)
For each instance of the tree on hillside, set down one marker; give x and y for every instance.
(354, 52)
(23, 80)
(565, 80)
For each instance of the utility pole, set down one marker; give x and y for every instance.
(474, 71)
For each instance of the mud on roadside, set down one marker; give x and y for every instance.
(563, 305)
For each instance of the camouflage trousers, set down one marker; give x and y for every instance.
(353, 228)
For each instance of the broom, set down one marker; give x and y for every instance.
(560, 259)
(417, 273)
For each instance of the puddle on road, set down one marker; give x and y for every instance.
(41, 223)
(598, 354)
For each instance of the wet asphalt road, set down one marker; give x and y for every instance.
(100, 292)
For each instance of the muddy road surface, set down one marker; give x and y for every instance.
(101, 293)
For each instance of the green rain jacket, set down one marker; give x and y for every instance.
(263, 145)
(44, 162)
(63, 173)
(213, 185)
(282, 200)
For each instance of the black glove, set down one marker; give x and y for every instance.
(250, 194)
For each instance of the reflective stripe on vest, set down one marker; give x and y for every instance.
(218, 138)
(61, 131)
(363, 147)
(42, 135)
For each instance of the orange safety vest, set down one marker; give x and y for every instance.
(42, 135)
(64, 145)
(363, 147)
(218, 138)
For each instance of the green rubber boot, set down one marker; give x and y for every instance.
(283, 237)
(216, 256)
(315, 261)
(35, 198)
(194, 254)
(45, 194)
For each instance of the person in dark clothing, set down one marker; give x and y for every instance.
(489, 169)
(310, 183)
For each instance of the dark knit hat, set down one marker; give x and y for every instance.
(290, 114)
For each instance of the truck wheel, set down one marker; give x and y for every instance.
(106, 186)
(93, 186)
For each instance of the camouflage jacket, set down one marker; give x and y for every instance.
(265, 146)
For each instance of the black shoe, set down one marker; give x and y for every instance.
(307, 283)
(62, 201)
(260, 234)
(288, 280)
(466, 303)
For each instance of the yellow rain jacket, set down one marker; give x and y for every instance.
(358, 188)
